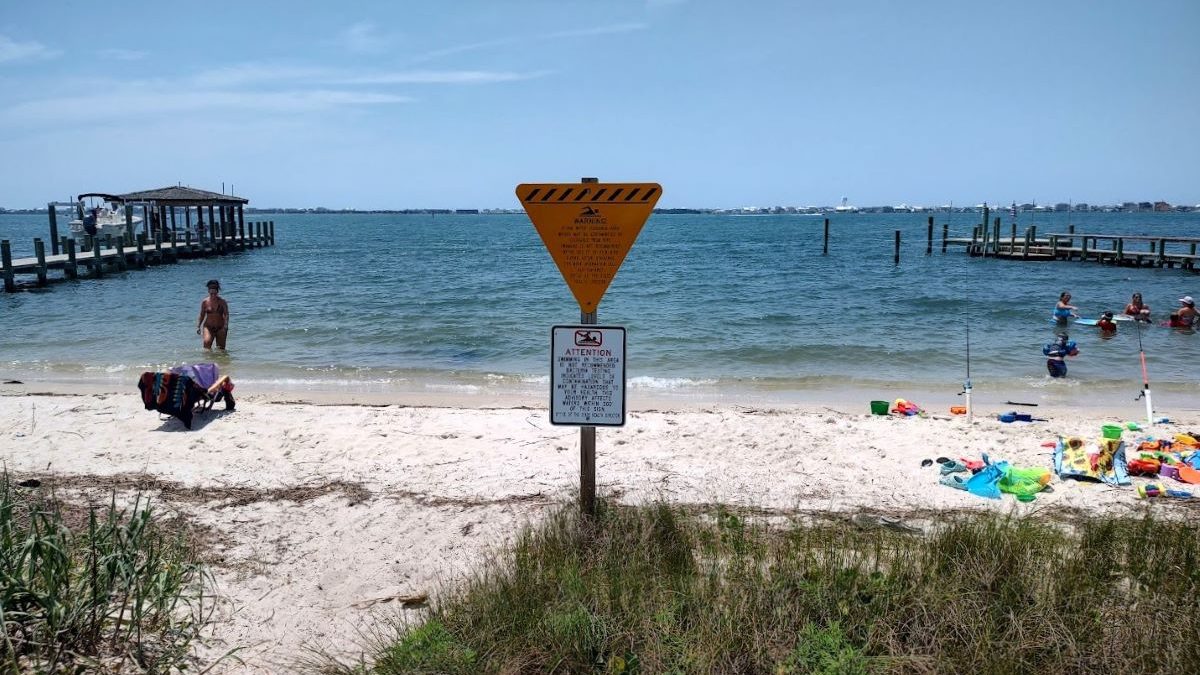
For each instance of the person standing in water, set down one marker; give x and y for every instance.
(1138, 309)
(1056, 353)
(214, 317)
(1064, 309)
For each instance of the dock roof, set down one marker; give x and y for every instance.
(178, 195)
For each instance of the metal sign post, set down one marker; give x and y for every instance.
(587, 449)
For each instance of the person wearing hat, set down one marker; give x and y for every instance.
(1187, 313)
(214, 317)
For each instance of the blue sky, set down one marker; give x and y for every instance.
(451, 104)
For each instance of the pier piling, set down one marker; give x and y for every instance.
(825, 249)
(97, 263)
(6, 260)
(141, 250)
(71, 269)
(929, 237)
(39, 251)
(121, 263)
(53, 212)
(896, 257)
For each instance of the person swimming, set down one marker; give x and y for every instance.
(1056, 353)
(1064, 310)
(1106, 323)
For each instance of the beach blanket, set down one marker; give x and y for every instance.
(172, 394)
(1104, 461)
(997, 477)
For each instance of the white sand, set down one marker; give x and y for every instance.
(445, 483)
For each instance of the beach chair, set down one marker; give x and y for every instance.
(217, 387)
(186, 390)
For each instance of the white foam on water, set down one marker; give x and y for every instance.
(646, 382)
(455, 388)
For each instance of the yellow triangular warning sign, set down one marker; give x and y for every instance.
(588, 228)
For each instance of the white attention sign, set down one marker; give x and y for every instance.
(587, 376)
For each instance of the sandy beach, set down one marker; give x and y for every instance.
(324, 517)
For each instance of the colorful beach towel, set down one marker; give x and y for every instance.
(999, 477)
(1103, 461)
(172, 394)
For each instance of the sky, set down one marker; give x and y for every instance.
(451, 104)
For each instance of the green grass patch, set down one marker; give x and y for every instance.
(654, 589)
(87, 590)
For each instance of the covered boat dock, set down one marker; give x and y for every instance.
(177, 222)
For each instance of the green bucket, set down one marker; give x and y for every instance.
(1111, 431)
(879, 407)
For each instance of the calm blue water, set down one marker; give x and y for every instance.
(372, 301)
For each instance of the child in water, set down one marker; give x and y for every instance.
(1106, 324)
(1176, 321)
(1056, 353)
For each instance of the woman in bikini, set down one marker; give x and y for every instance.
(1138, 309)
(214, 317)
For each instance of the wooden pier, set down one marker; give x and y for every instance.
(167, 235)
(1111, 249)
(98, 257)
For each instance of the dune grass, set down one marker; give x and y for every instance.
(87, 590)
(654, 589)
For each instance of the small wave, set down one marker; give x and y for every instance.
(1048, 382)
(305, 382)
(647, 382)
(456, 388)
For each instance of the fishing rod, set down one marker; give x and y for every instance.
(967, 384)
(1145, 378)
(966, 392)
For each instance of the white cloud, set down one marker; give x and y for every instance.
(118, 54)
(265, 74)
(362, 38)
(140, 101)
(503, 42)
(256, 73)
(598, 30)
(12, 51)
(438, 77)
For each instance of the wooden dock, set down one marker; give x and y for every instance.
(1123, 250)
(98, 257)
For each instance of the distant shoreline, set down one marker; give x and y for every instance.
(1141, 207)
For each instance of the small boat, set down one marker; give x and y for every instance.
(101, 215)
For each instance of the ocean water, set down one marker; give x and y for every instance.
(712, 304)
